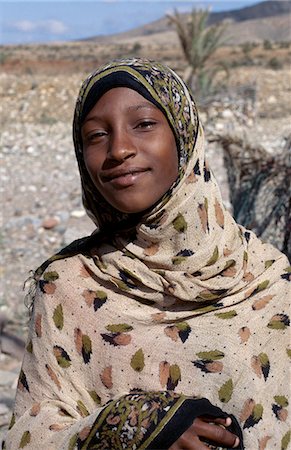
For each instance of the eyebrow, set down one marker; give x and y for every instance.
(147, 105)
(142, 105)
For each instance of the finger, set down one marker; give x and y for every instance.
(188, 441)
(219, 420)
(215, 433)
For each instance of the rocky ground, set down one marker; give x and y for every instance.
(40, 190)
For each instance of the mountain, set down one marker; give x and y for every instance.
(269, 19)
(260, 10)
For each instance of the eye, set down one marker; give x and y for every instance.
(95, 136)
(146, 124)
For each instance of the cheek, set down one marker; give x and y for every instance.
(172, 162)
(92, 164)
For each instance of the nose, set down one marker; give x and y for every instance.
(121, 145)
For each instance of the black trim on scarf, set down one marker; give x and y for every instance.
(114, 80)
(111, 81)
(183, 419)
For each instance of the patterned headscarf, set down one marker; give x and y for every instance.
(187, 247)
(157, 84)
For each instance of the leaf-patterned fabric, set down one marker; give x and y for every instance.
(155, 310)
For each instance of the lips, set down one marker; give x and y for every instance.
(126, 173)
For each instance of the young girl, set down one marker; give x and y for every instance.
(168, 327)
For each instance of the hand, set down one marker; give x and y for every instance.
(206, 428)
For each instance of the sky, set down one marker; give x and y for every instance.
(41, 21)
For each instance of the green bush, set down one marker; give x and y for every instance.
(284, 44)
(275, 63)
(136, 47)
(267, 45)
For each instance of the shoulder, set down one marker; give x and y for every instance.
(63, 280)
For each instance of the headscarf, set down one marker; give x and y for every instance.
(187, 250)
(187, 246)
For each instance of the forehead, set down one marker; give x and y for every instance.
(122, 98)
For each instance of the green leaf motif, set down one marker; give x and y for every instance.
(227, 315)
(263, 285)
(29, 347)
(279, 322)
(73, 442)
(213, 258)
(25, 439)
(12, 421)
(175, 374)
(229, 263)
(225, 392)
(281, 400)
(131, 275)
(176, 260)
(288, 351)
(95, 397)
(129, 254)
(183, 326)
(206, 309)
(62, 357)
(86, 348)
(119, 328)
(258, 412)
(285, 440)
(82, 409)
(180, 224)
(51, 276)
(99, 263)
(120, 284)
(264, 360)
(58, 317)
(265, 364)
(269, 263)
(137, 361)
(101, 295)
(208, 295)
(213, 355)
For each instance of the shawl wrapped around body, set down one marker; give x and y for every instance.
(135, 329)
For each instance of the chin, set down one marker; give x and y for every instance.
(132, 207)
(130, 210)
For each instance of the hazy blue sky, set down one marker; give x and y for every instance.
(50, 20)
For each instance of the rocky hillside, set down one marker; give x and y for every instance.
(264, 20)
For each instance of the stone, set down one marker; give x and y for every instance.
(227, 114)
(77, 214)
(271, 100)
(50, 223)
(219, 126)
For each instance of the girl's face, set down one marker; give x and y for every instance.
(129, 150)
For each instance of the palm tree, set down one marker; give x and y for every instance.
(198, 42)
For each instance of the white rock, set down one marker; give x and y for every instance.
(219, 126)
(271, 100)
(78, 213)
(227, 114)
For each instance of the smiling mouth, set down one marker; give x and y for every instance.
(125, 178)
